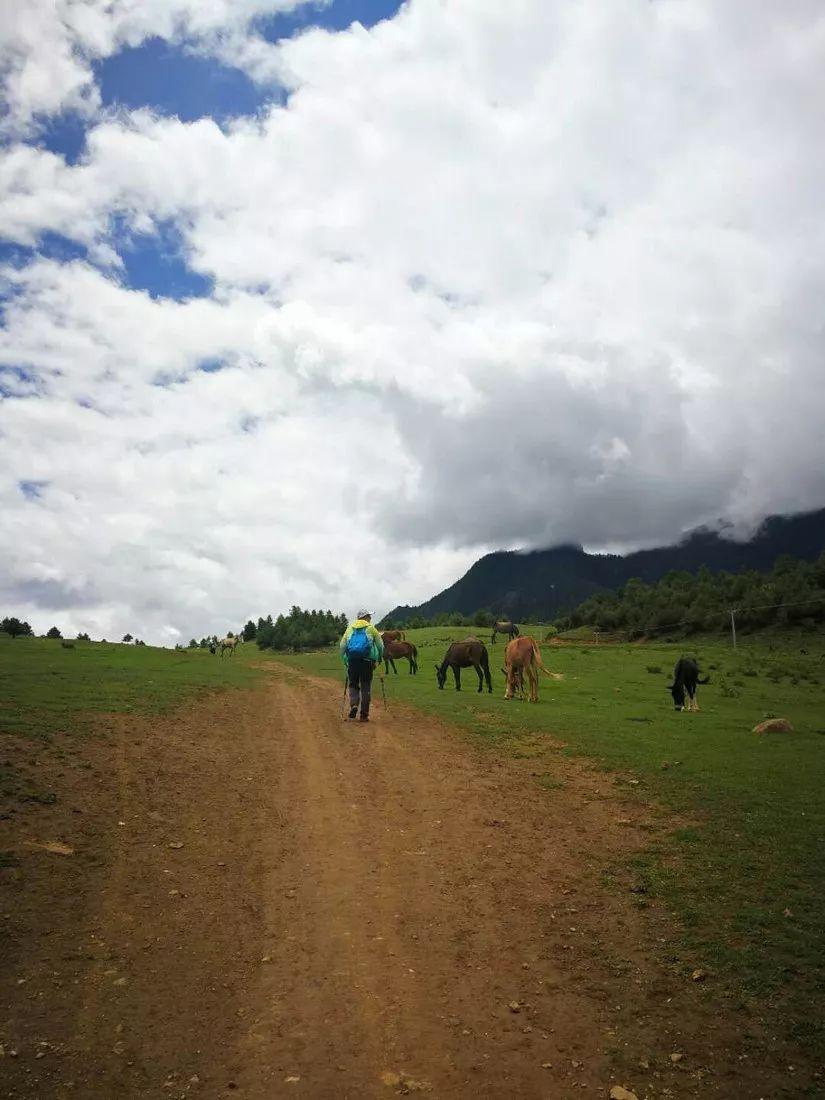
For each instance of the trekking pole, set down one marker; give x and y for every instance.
(344, 699)
(383, 691)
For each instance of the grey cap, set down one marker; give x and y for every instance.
(364, 615)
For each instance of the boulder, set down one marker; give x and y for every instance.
(774, 725)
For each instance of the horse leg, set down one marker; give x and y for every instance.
(486, 667)
(457, 674)
(480, 677)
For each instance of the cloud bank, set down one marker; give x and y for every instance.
(490, 276)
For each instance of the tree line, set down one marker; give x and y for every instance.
(791, 594)
(299, 629)
(483, 619)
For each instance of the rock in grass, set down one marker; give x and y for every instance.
(774, 725)
(620, 1093)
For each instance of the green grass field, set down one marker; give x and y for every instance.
(747, 878)
(44, 687)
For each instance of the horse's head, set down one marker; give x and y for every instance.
(441, 675)
(678, 693)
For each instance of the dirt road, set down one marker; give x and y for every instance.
(262, 901)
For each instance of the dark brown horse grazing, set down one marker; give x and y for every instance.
(400, 649)
(392, 636)
(470, 652)
(504, 627)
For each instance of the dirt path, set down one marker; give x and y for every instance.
(264, 901)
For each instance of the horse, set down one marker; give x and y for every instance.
(400, 649)
(504, 627)
(229, 643)
(470, 652)
(392, 636)
(685, 679)
(523, 656)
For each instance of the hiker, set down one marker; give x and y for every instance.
(361, 649)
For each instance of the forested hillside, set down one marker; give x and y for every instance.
(544, 584)
(791, 594)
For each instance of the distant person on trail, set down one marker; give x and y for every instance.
(361, 649)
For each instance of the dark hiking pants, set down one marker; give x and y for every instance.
(359, 677)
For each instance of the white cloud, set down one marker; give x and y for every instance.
(494, 276)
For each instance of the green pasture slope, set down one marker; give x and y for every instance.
(747, 880)
(46, 689)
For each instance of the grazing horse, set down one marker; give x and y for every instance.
(400, 649)
(685, 679)
(470, 652)
(392, 636)
(523, 657)
(508, 628)
(229, 643)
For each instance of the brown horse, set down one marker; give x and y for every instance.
(400, 649)
(392, 636)
(470, 652)
(504, 627)
(523, 657)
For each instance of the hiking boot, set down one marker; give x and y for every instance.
(364, 718)
(352, 712)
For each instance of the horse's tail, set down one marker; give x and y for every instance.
(537, 656)
(414, 649)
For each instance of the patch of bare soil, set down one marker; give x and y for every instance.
(251, 898)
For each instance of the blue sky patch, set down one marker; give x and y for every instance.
(211, 366)
(155, 263)
(336, 16)
(32, 490)
(51, 246)
(17, 381)
(171, 81)
(64, 134)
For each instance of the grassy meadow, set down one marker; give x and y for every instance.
(747, 877)
(47, 690)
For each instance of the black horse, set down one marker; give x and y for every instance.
(685, 679)
(470, 652)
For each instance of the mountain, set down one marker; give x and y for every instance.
(542, 584)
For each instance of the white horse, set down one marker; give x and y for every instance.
(229, 643)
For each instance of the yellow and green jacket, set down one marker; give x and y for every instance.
(376, 644)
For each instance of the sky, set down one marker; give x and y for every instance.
(317, 303)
